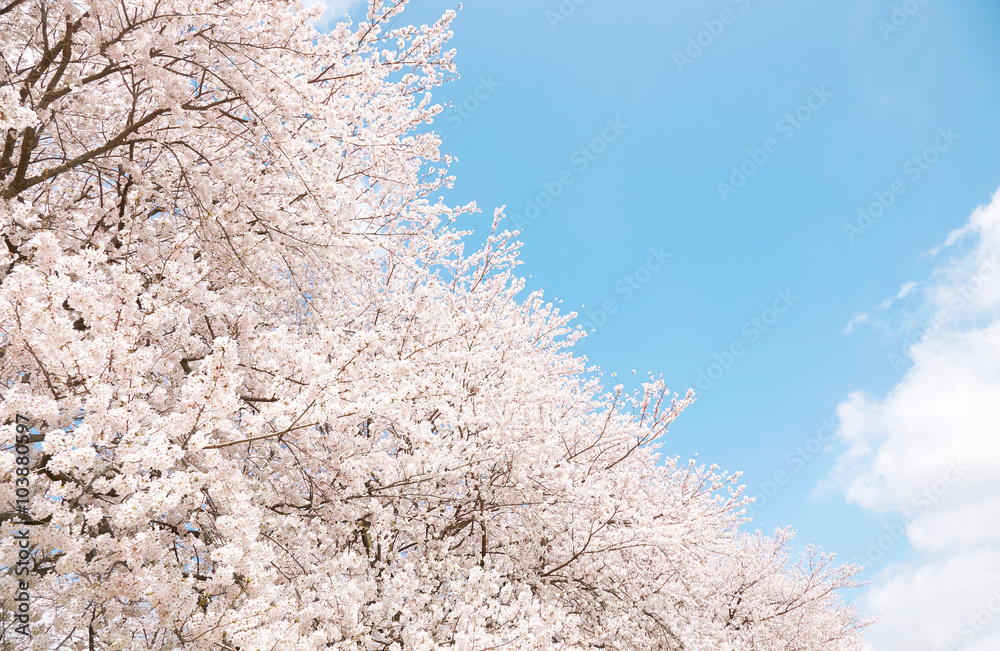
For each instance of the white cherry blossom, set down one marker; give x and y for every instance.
(277, 405)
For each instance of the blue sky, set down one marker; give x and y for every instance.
(620, 121)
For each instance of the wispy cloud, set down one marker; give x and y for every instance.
(865, 317)
(856, 320)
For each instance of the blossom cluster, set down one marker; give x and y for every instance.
(280, 406)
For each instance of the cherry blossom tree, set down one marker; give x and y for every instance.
(273, 401)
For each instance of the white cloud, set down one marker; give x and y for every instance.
(863, 317)
(930, 450)
(335, 12)
(905, 290)
(945, 605)
(856, 320)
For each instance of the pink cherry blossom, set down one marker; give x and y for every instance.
(276, 403)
